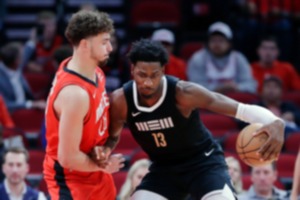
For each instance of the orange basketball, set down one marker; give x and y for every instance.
(247, 146)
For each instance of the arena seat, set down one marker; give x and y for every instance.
(292, 143)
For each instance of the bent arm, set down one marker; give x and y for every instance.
(71, 106)
(118, 112)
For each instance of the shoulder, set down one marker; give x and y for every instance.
(74, 93)
(186, 92)
(72, 97)
(243, 196)
(117, 99)
(280, 193)
(285, 65)
(200, 54)
(239, 56)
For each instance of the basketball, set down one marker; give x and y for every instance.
(247, 146)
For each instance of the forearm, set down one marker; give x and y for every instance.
(112, 142)
(255, 114)
(296, 178)
(78, 161)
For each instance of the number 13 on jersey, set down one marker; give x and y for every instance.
(159, 139)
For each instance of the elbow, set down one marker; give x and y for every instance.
(64, 160)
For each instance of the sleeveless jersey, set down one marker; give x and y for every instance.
(161, 130)
(95, 129)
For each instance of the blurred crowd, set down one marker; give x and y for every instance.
(246, 49)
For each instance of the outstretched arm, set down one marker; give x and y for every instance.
(191, 96)
(296, 179)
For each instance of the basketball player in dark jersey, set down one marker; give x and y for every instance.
(162, 114)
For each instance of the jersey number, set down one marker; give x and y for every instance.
(159, 139)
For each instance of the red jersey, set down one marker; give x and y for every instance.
(95, 132)
(176, 67)
(283, 70)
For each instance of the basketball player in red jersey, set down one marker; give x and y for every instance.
(77, 115)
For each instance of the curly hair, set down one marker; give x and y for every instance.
(148, 51)
(84, 24)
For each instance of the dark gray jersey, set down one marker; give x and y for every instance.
(161, 130)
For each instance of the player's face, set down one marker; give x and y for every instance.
(263, 178)
(138, 176)
(100, 48)
(148, 78)
(15, 167)
(268, 52)
(218, 45)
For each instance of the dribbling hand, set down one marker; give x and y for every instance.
(271, 149)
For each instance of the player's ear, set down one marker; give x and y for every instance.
(163, 69)
(84, 43)
(131, 68)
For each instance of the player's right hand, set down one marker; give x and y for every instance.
(115, 163)
(272, 148)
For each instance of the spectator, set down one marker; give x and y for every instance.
(175, 66)
(43, 42)
(263, 188)
(295, 194)
(235, 173)
(218, 67)
(135, 174)
(266, 17)
(60, 54)
(271, 98)
(15, 167)
(268, 64)
(13, 86)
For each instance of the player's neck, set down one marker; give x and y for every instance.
(83, 66)
(150, 101)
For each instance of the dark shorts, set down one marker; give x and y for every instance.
(191, 179)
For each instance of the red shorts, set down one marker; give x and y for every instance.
(63, 184)
(79, 191)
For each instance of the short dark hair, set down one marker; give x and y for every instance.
(16, 150)
(273, 79)
(9, 53)
(148, 51)
(273, 165)
(84, 24)
(268, 38)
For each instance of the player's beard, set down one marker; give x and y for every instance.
(102, 63)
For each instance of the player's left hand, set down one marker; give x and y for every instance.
(115, 163)
(271, 149)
